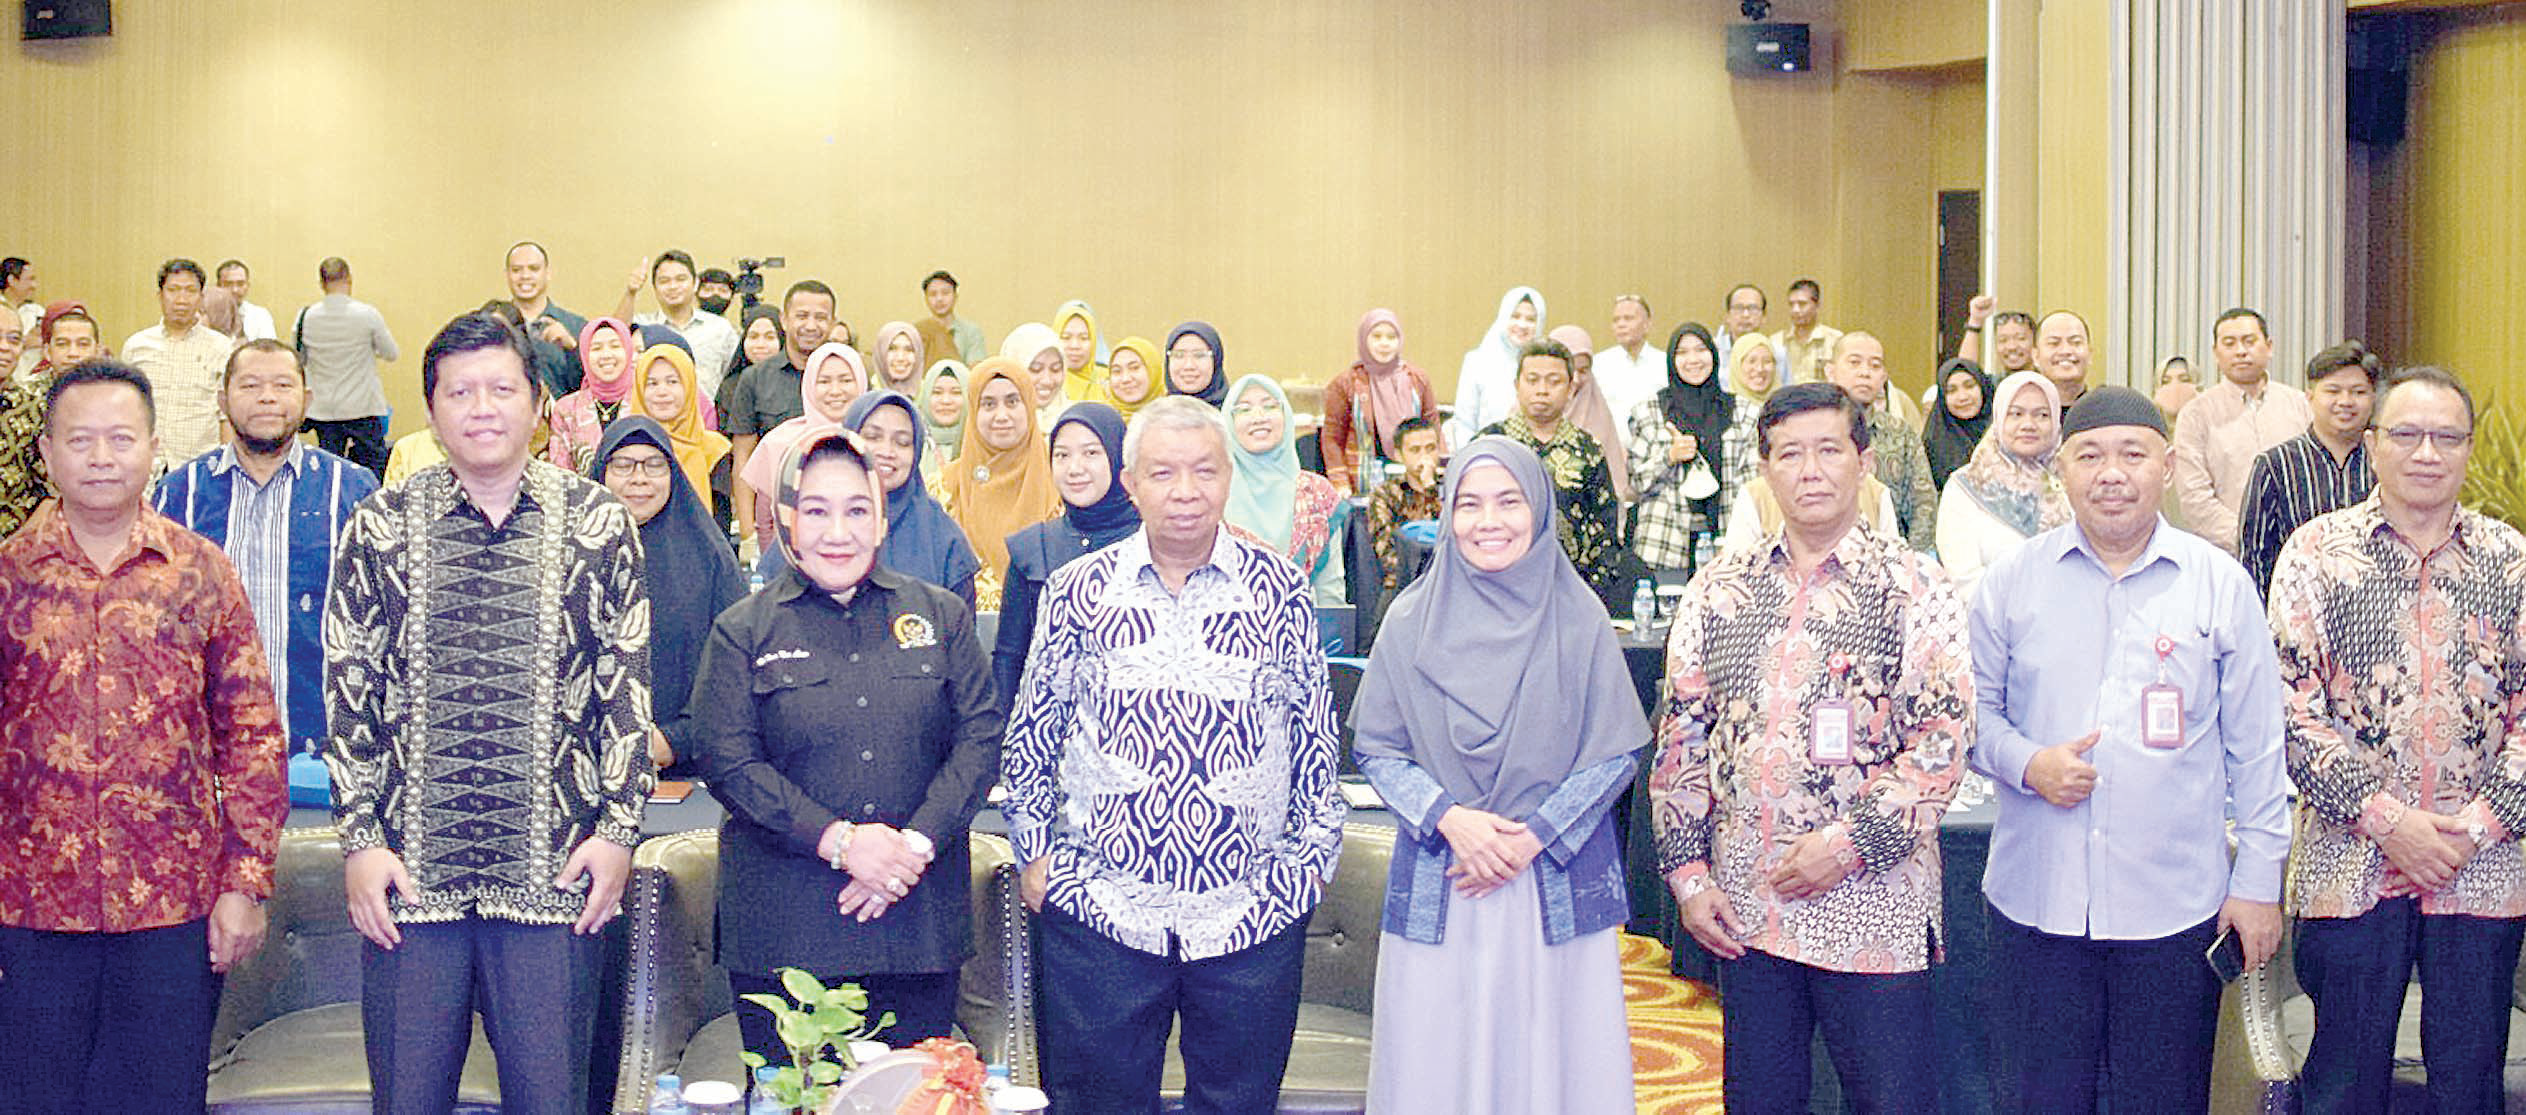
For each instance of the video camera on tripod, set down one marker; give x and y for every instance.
(749, 281)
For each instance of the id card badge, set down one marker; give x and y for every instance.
(2162, 716)
(1829, 728)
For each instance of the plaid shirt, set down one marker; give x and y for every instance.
(1663, 535)
(2404, 679)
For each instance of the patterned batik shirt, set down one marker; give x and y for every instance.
(1173, 752)
(1903, 466)
(23, 487)
(1393, 504)
(1752, 653)
(2404, 677)
(140, 755)
(487, 690)
(1583, 494)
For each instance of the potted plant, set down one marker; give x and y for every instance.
(817, 1024)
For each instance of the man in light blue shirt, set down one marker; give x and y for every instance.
(2128, 705)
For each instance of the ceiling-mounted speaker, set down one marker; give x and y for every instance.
(1767, 48)
(68, 19)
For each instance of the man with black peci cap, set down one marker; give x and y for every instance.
(2127, 693)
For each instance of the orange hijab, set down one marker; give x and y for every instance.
(994, 493)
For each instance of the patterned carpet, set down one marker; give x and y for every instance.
(1674, 1034)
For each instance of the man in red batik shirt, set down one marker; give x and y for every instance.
(141, 786)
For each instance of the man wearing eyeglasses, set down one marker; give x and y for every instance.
(2404, 665)
(2219, 434)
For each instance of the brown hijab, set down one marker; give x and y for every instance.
(994, 493)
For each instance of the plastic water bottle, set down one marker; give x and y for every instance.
(668, 1097)
(1644, 609)
(762, 1102)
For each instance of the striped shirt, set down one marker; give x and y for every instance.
(2292, 483)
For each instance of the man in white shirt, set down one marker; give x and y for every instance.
(2219, 433)
(254, 323)
(1746, 308)
(340, 340)
(17, 295)
(183, 359)
(678, 286)
(1630, 372)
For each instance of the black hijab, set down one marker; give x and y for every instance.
(1113, 516)
(1216, 391)
(1702, 410)
(1949, 440)
(690, 571)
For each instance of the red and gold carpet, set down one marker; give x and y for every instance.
(1674, 1034)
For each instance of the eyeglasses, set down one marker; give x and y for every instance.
(654, 468)
(2409, 438)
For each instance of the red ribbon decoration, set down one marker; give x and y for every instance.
(956, 1088)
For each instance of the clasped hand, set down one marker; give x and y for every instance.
(1490, 849)
(883, 867)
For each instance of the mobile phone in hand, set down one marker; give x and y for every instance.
(2227, 957)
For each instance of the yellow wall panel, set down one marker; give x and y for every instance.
(1275, 167)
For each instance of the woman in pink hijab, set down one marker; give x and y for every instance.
(606, 348)
(1589, 409)
(1381, 387)
(834, 377)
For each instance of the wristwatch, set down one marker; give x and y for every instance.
(2479, 832)
(1693, 887)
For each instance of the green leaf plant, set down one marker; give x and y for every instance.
(817, 1024)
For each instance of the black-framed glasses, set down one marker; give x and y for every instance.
(654, 468)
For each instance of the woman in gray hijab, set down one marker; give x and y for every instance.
(1498, 722)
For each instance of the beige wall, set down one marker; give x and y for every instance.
(2452, 222)
(1277, 168)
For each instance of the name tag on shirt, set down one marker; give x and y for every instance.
(1829, 733)
(2162, 716)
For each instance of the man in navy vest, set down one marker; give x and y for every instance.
(276, 506)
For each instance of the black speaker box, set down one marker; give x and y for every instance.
(1767, 48)
(68, 19)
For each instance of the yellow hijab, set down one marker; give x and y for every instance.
(994, 493)
(1086, 382)
(698, 448)
(1147, 350)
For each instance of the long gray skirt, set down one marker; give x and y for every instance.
(1493, 1021)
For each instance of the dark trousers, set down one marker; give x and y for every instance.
(2143, 1015)
(536, 988)
(1105, 1009)
(2356, 970)
(923, 1003)
(106, 1022)
(363, 440)
(1877, 1028)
